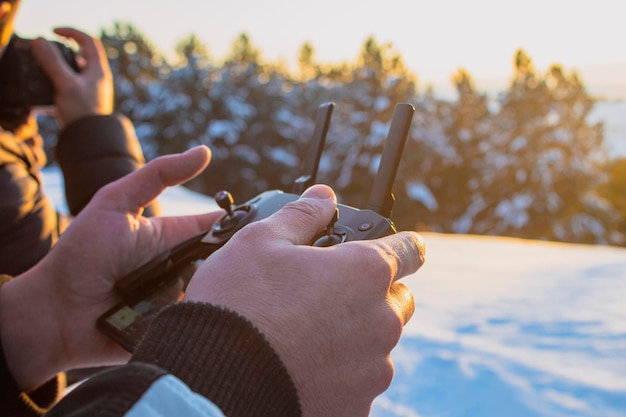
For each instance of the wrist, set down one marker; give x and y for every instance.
(29, 331)
(85, 113)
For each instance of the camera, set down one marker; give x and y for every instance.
(23, 83)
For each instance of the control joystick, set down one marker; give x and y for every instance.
(332, 236)
(225, 200)
(234, 215)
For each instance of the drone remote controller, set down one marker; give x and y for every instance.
(162, 280)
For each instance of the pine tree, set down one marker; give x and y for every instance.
(527, 165)
(250, 153)
(545, 160)
(138, 69)
(365, 104)
(613, 190)
(186, 106)
(452, 158)
(417, 207)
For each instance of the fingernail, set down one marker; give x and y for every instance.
(320, 192)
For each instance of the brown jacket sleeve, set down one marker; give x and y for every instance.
(93, 152)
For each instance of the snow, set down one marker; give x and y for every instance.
(224, 128)
(513, 211)
(418, 191)
(502, 326)
(612, 113)
(544, 322)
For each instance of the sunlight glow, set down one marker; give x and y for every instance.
(434, 38)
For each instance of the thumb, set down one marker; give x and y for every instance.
(300, 221)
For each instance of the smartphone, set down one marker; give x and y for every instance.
(128, 321)
(156, 284)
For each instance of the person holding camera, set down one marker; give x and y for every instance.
(94, 146)
(270, 326)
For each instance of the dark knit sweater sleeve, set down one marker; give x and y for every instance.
(94, 151)
(222, 356)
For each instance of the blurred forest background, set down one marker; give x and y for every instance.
(526, 163)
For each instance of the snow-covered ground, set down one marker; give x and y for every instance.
(509, 327)
(502, 328)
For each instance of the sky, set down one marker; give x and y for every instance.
(435, 38)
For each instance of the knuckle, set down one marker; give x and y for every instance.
(375, 376)
(252, 233)
(385, 375)
(307, 211)
(417, 246)
(378, 263)
(393, 328)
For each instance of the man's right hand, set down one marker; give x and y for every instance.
(332, 314)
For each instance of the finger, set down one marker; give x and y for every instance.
(52, 62)
(178, 229)
(91, 49)
(405, 251)
(402, 301)
(8, 11)
(5, 8)
(300, 221)
(138, 189)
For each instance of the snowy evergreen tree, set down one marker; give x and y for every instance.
(544, 161)
(446, 155)
(366, 101)
(250, 153)
(317, 84)
(528, 164)
(526, 167)
(185, 113)
(138, 70)
(613, 190)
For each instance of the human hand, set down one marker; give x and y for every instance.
(7, 15)
(332, 314)
(48, 314)
(88, 92)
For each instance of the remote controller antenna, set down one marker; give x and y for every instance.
(316, 146)
(381, 198)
